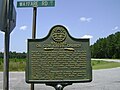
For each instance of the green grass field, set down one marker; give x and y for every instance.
(20, 64)
(104, 64)
(14, 64)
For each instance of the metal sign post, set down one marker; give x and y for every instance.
(34, 22)
(6, 50)
(7, 24)
(34, 32)
(6, 61)
(35, 4)
(59, 86)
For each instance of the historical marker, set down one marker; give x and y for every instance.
(58, 58)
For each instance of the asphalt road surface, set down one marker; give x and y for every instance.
(106, 79)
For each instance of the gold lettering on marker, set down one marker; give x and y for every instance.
(69, 49)
(48, 49)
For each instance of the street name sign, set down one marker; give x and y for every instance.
(58, 58)
(36, 3)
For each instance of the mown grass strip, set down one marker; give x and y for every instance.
(104, 65)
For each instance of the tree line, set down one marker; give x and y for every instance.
(14, 55)
(108, 47)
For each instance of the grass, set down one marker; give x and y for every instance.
(19, 64)
(14, 64)
(104, 64)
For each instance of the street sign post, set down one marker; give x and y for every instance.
(36, 3)
(34, 32)
(7, 24)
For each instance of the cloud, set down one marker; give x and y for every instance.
(2, 32)
(23, 27)
(2, 50)
(87, 36)
(115, 28)
(85, 19)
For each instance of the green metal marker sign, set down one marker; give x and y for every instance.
(36, 3)
(58, 58)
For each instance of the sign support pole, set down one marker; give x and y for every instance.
(6, 47)
(34, 22)
(34, 32)
(58, 86)
(6, 62)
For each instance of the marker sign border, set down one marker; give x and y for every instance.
(44, 58)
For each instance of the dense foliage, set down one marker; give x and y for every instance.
(108, 47)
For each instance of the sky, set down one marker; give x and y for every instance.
(92, 19)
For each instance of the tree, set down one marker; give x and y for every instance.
(107, 47)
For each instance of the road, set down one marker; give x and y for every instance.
(106, 79)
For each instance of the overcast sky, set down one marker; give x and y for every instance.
(92, 19)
